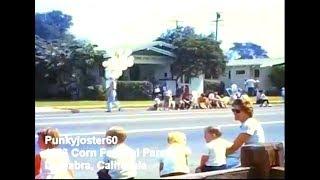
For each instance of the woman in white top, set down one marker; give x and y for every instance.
(52, 162)
(251, 129)
(214, 155)
(174, 159)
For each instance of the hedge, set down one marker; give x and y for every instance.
(134, 90)
(211, 85)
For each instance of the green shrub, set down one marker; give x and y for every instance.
(97, 92)
(211, 85)
(134, 90)
(277, 76)
(273, 91)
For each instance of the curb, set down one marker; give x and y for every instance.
(78, 110)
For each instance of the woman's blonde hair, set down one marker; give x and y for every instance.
(118, 132)
(245, 105)
(53, 133)
(177, 137)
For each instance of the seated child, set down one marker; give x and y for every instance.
(174, 159)
(167, 99)
(203, 101)
(214, 155)
(262, 99)
(120, 155)
(157, 102)
(51, 162)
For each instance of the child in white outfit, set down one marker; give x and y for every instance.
(214, 154)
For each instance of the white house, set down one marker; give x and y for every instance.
(152, 62)
(237, 71)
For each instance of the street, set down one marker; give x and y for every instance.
(147, 132)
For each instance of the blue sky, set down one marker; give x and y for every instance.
(113, 24)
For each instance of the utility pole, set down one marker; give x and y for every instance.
(177, 23)
(217, 24)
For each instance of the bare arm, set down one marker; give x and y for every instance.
(238, 142)
(71, 172)
(160, 167)
(37, 164)
(203, 161)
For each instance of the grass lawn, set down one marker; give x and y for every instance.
(89, 104)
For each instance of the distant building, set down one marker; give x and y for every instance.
(152, 63)
(237, 71)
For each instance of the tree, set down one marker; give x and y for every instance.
(195, 53)
(52, 25)
(246, 51)
(176, 34)
(60, 59)
(197, 56)
(277, 76)
(63, 62)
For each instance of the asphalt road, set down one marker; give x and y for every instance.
(147, 132)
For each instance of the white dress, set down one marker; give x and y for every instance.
(54, 164)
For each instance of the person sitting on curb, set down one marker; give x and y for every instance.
(212, 100)
(203, 102)
(258, 97)
(262, 99)
(119, 154)
(216, 101)
(157, 91)
(174, 159)
(157, 103)
(186, 98)
(214, 155)
(51, 162)
(167, 99)
(178, 99)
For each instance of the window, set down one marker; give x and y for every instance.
(229, 76)
(256, 73)
(240, 72)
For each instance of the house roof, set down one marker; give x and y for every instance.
(161, 43)
(146, 52)
(263, 62)
(151, 47)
